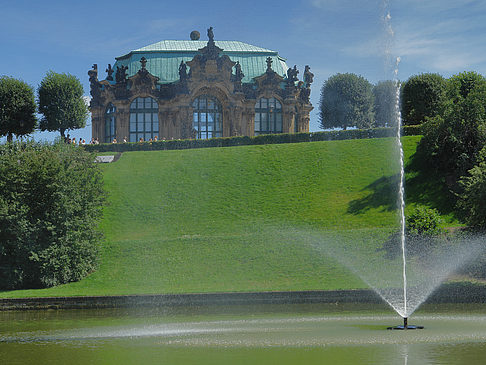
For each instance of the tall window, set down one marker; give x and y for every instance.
(144, 119)
(296, 120)
(268, 116)
(207, 118)
(110, 123)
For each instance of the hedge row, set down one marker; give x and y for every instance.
(181, 144)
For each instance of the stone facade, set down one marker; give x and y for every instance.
(209, 100)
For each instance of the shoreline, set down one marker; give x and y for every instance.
(449, 293)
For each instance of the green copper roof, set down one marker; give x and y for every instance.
(193, 46)
(164, 58)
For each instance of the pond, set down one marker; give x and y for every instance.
(265, 334)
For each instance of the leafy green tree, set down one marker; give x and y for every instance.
(385, 93)
(346, 101)
(422, 97)
(50, 204)
(453, 139)
(61, 103)
(473, 197)
(17, 108)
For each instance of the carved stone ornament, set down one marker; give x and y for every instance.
(109, 71)
(308, 76)
(143, 61)
(210, 34)
(238, 76)
(121, 74)
(305, 95)
(182, 71)
(95, 86)
(292, 75)
(269, 64)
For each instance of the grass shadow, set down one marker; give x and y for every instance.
(423, 186)
(383, 194)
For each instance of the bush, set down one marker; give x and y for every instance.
(258, 140)
(424, 222)
(50, 204)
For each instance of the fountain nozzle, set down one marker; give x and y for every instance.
(406, 326)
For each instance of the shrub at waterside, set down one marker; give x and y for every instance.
(50, 203)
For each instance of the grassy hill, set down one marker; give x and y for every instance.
(243, 218)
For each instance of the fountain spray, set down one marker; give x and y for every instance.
(401, 196)
(401, 190)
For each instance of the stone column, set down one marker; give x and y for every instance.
(288, 113)
(122, 121)
(97, 122)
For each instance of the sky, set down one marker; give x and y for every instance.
(331, 36)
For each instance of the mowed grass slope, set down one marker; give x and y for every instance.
(215, 219)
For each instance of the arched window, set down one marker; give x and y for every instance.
(110, 123)
(207, 118)
(268, 116)
(144, 119)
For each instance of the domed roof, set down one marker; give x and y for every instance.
(164, 58)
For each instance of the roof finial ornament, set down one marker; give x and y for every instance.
(109, 71)
(269, 63)
(211, 34)
(143, 61)
(195, 35)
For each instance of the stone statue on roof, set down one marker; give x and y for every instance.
(308, 76)
(238, 73)
(211, 34)
(269, 63)
(109, 71)
(292, 75)
(182, 71)
(121, 74)
(95, 87)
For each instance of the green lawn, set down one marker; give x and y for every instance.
(246, 218)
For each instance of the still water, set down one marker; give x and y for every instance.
(269, 334)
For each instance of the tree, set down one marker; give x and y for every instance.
(422, 96)
(453, 139)
(473, 197)
(385, 93)
(17, 108)
(346, 101)
(61, 103)
(50, 204)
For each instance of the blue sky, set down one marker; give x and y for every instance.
(331, 36)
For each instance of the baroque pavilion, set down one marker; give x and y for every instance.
(196, 89)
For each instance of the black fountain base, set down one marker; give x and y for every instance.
(406, 326)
